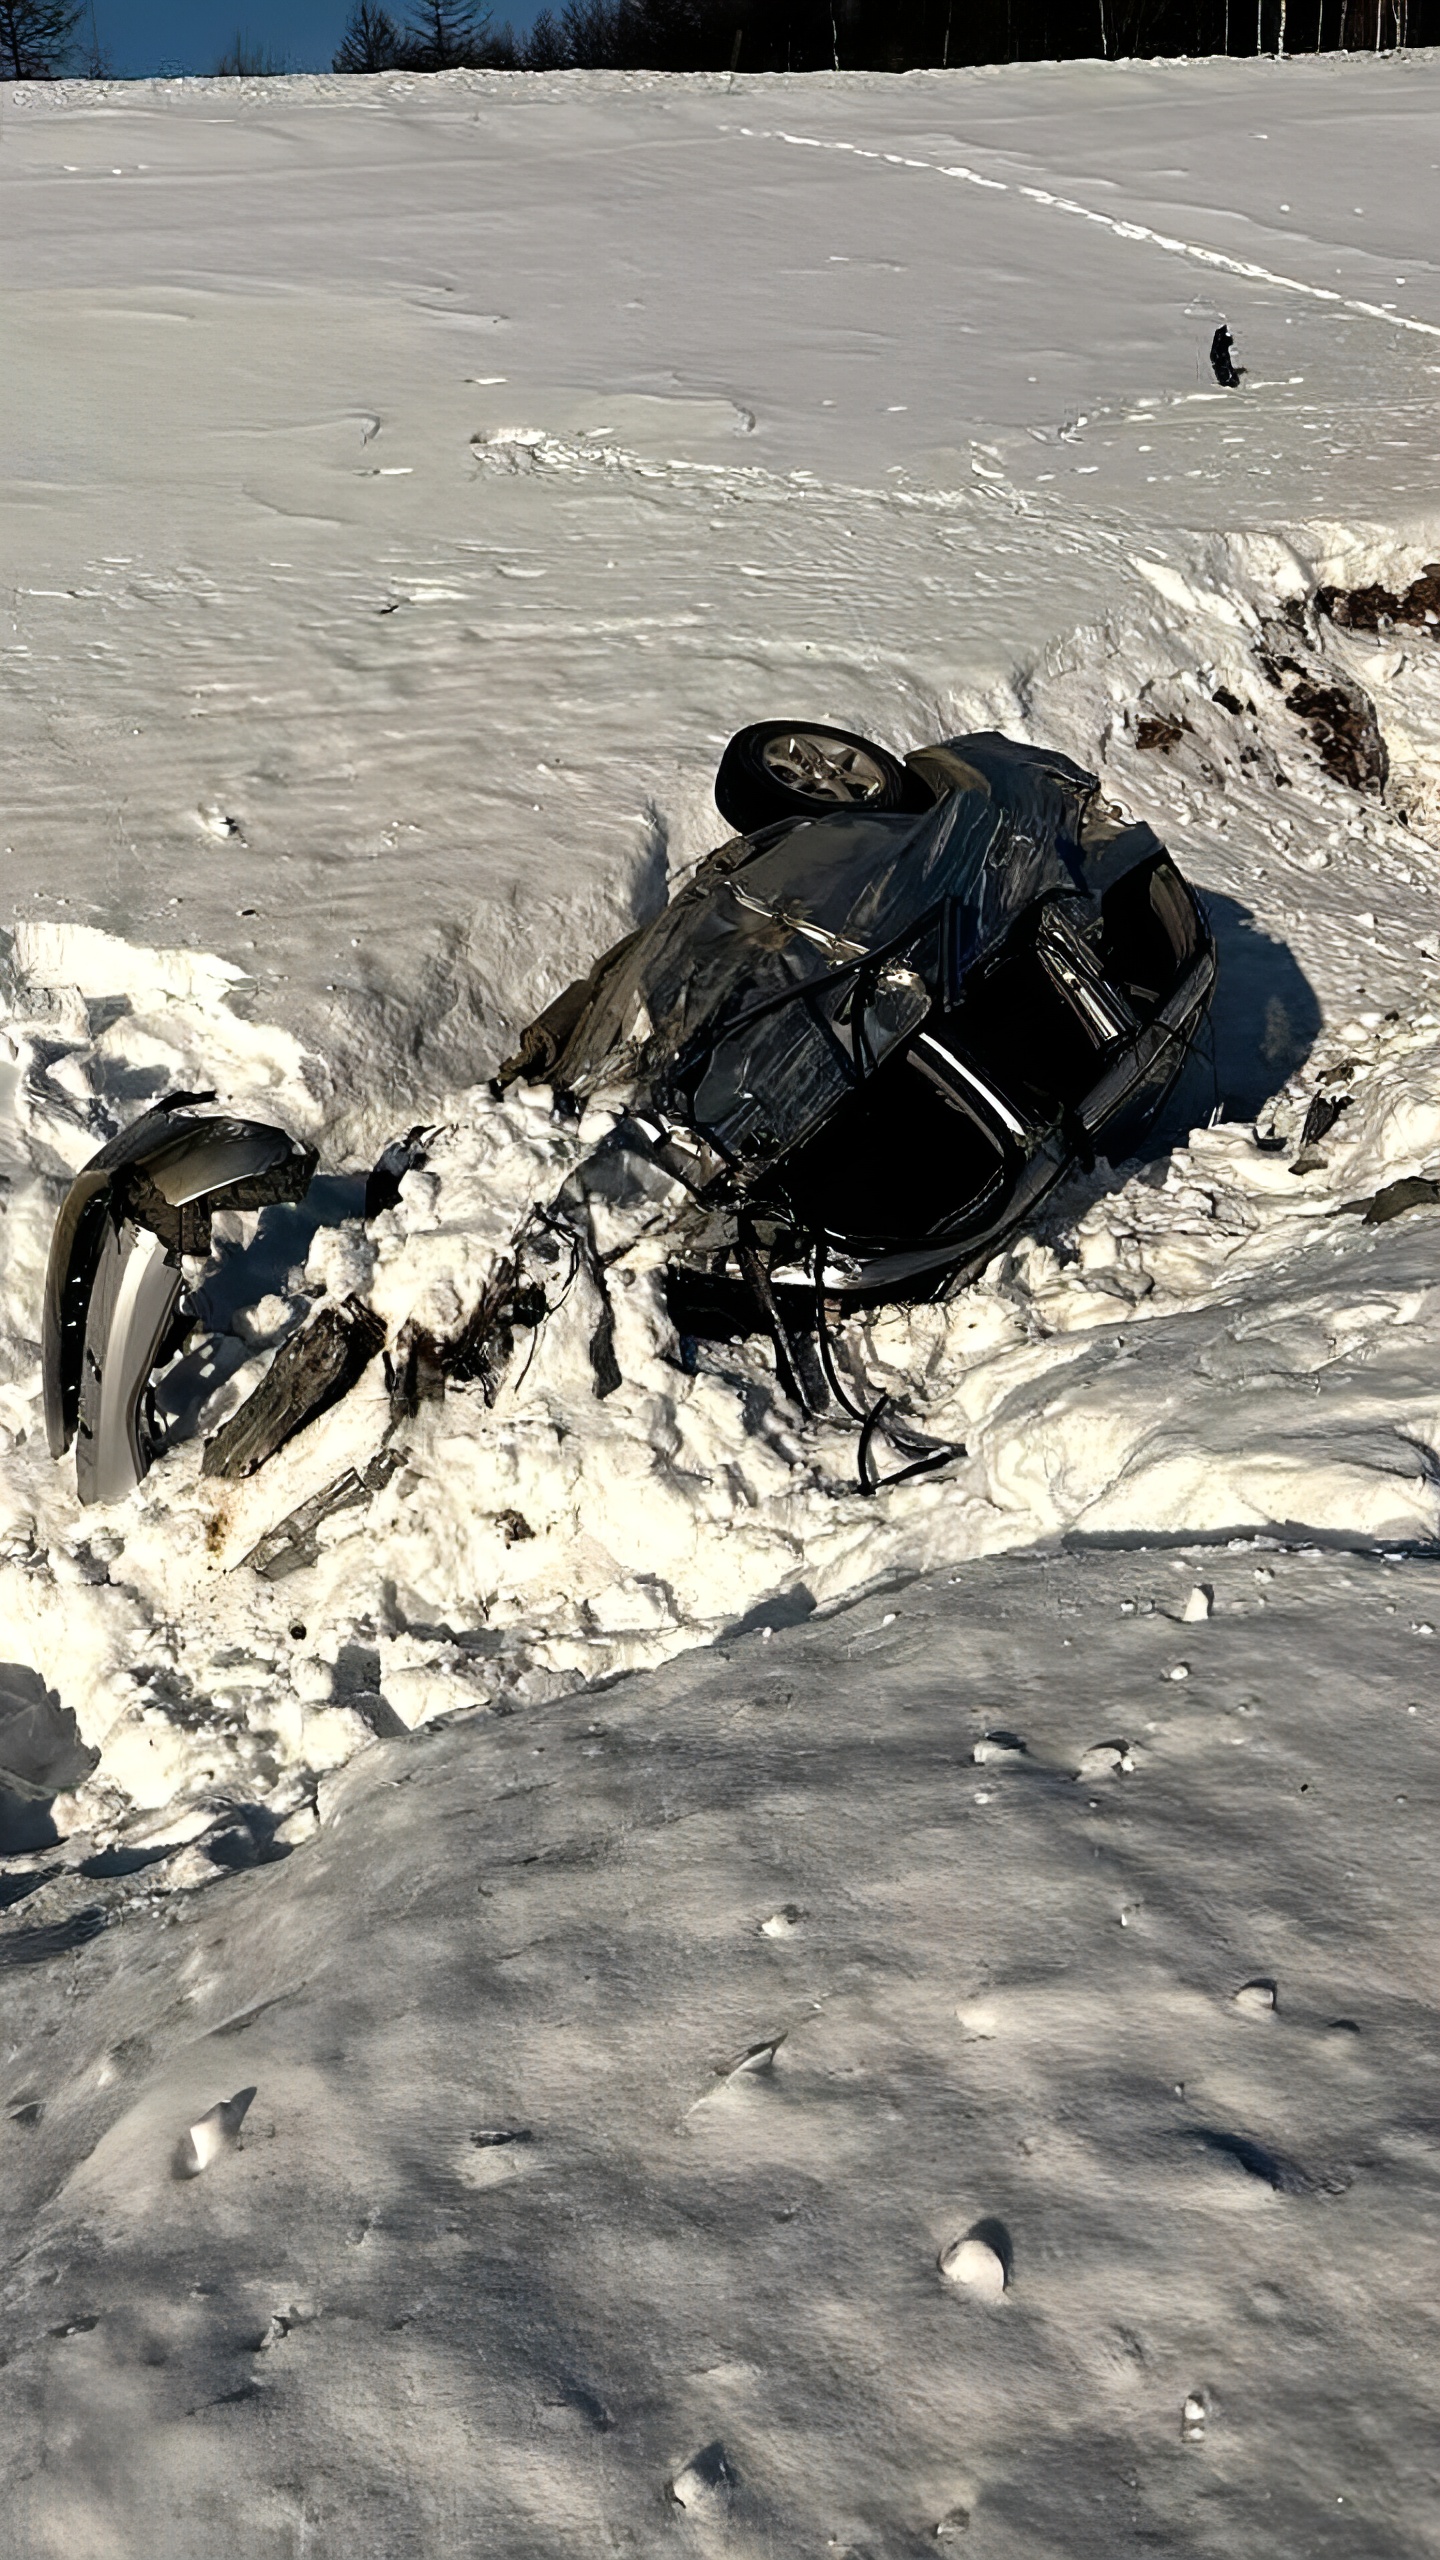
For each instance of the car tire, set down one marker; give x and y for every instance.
(780, 769)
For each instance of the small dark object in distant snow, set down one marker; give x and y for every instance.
(1226, 372)
(1227, 700)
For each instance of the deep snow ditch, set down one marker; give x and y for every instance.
(1214, 1342)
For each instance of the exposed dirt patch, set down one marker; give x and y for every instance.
(1376, 608)
(1343, 729)
(1160, 730)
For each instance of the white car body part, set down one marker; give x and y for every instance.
(114, 1276)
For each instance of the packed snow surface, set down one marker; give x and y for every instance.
(407, 487)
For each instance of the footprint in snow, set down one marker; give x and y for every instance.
(983, 2261)
(496, 2155)
(1273, 2169)
(980, 2020)
(705, 2485)
(756, 2057)
(784, 1922)
(998, 1746)
(741, 2079)
(1105, 1760)
(1257, 1999)
(214, 2133)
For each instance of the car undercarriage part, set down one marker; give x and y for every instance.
(114, 1279)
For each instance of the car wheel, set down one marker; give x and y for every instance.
(779, 769)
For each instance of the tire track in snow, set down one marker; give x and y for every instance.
(1174, 246)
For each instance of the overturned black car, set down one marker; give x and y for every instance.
(873, 1030)
(866, 1037)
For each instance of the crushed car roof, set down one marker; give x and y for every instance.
(696, 1014)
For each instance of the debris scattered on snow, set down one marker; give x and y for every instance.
(213, 2134)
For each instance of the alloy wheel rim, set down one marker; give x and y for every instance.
(822, 768)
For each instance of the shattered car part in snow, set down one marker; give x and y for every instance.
(402, 1156)
(309, 1373)
(868, 1042)
(479, 1353)
(1396, 1199)
(114, 1276)
(294, 1541)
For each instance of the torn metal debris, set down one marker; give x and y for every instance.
(309, 1373)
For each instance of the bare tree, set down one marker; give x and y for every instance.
(545, 48)
(36, 38)
(446, 35)
(371, 41)
(245, 59)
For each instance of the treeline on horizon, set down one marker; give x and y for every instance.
(866, 35)
(43, 39)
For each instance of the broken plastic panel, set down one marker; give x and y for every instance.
(114, 1278)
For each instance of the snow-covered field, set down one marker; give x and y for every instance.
(407, 487)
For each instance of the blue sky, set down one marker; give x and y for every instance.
(169, 36)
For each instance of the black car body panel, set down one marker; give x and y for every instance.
(876, 1039)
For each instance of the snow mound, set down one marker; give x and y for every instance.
(1212, 1342)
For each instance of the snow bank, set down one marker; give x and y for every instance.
(1206, 1343)
(616, 2081)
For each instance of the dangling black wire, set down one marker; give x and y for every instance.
(923, 1452)
(757, 1280)
(551, 1225)
(826, 1343)
(931, 1453)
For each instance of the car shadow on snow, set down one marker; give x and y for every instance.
(1263, 1024)
(271, 1264)
(41, 1756)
